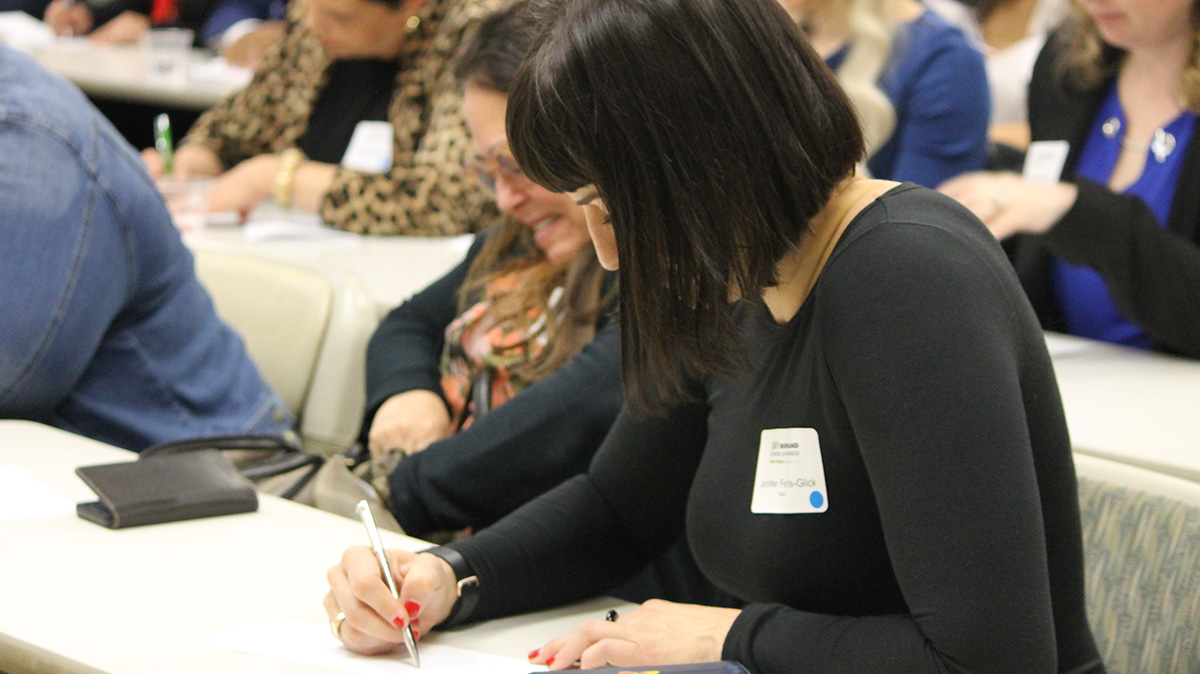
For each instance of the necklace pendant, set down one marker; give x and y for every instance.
(1162, 145)
(1111, 127)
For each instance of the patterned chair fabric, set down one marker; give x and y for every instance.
(1142, 551)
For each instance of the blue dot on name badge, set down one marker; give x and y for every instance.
(816, 499)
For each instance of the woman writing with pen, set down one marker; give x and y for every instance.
(355, 115)
(884, 493)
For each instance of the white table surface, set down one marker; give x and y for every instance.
(76, 597)
(1130, 405)
(120, 72)
(393, 267)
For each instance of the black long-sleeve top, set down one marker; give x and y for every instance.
(951, 539)
(542, 436)
(1152, 272)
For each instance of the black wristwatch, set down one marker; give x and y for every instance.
(467, 587)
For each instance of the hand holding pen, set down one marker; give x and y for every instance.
(364, 513)
(368, 618)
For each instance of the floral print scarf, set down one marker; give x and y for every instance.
(479, 355)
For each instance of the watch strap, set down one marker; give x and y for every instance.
(467, 587)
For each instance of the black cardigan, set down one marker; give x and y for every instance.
(544, 435)
(1152, 273)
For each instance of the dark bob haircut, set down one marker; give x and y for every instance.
(712, 131)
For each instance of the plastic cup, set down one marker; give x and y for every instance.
(187, 200)
(170, 50)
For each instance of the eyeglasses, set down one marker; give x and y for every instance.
(491, 169)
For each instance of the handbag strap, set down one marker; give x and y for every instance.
(289, 442)
(279, 464)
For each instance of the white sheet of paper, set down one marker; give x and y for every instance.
(311, 644)
(22, 496)
(301, 228)
(218, 70)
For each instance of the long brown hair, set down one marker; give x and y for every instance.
(491, 60)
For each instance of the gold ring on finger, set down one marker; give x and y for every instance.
(335, 625)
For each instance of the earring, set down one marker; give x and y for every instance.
(412, 24)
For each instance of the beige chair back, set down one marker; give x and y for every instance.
(306, 328)
(1141, 535)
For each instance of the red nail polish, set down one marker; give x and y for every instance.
(416, 635)
(534, 653)
(412, 607)
(398, 622)
(550, 661)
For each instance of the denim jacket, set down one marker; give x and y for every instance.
(104, 329)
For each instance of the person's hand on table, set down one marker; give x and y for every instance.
(191, 161)
(373, 618)
(246, 51)
(657, 633)
(1009, 204)
(125, 28)
(68, 19)
(409, 421)
(242, 187)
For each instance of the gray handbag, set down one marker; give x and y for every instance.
(279, 465)
(350, 477)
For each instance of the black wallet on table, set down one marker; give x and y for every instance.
(165, 488)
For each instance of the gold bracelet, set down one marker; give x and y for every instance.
(289, 161)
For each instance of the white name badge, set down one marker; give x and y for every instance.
(1044, 160)
(790, 478)
(370, 148)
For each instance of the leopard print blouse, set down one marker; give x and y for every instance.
(427, 191)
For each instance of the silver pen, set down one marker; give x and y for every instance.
(364, 513)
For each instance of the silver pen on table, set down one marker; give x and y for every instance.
(364, 513)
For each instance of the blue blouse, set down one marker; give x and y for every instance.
(937, 83)
(1087, 307)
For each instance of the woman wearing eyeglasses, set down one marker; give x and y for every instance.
(499, 380)
(837, 391)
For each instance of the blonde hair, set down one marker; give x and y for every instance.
(871, 24)
(1089, 61)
